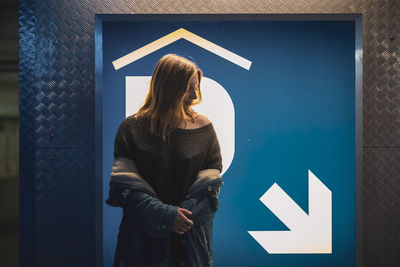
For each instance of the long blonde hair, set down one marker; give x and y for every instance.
(163, 107)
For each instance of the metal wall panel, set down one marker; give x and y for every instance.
(63, 217)
(381, 206)
(57, 114)
(26, 128)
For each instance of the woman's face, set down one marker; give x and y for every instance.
(191, 91)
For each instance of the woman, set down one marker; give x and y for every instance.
(166, 173)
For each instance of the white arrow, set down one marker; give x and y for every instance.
(308, 234)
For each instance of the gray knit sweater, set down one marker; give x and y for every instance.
(169, 167)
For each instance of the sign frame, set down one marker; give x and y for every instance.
(358, 57)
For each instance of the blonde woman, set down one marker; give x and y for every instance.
(166, 173)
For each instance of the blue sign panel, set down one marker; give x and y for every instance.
(281, 95)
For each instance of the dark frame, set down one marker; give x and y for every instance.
(357, 18)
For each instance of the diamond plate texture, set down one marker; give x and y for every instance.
(57, 118)
(381, 206)
(64, 207)
(26, 81)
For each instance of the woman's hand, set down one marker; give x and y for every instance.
(182, 223)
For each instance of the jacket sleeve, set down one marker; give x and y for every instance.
(156, 217)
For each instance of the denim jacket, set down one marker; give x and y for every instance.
(146, 226)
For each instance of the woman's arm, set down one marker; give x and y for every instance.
(156, 217)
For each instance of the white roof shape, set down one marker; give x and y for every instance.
(175, 36)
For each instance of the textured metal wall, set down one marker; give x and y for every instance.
(57, 147)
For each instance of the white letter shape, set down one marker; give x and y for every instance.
(217, 105)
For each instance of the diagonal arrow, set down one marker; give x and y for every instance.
(309, 233)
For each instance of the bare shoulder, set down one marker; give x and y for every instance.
(202, 120)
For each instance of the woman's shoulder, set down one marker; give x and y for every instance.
(129, 123)
(198, 122)
(201, 120)
(128, 120)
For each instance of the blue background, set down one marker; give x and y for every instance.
(294, 111)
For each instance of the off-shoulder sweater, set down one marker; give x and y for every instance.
(169, 167)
